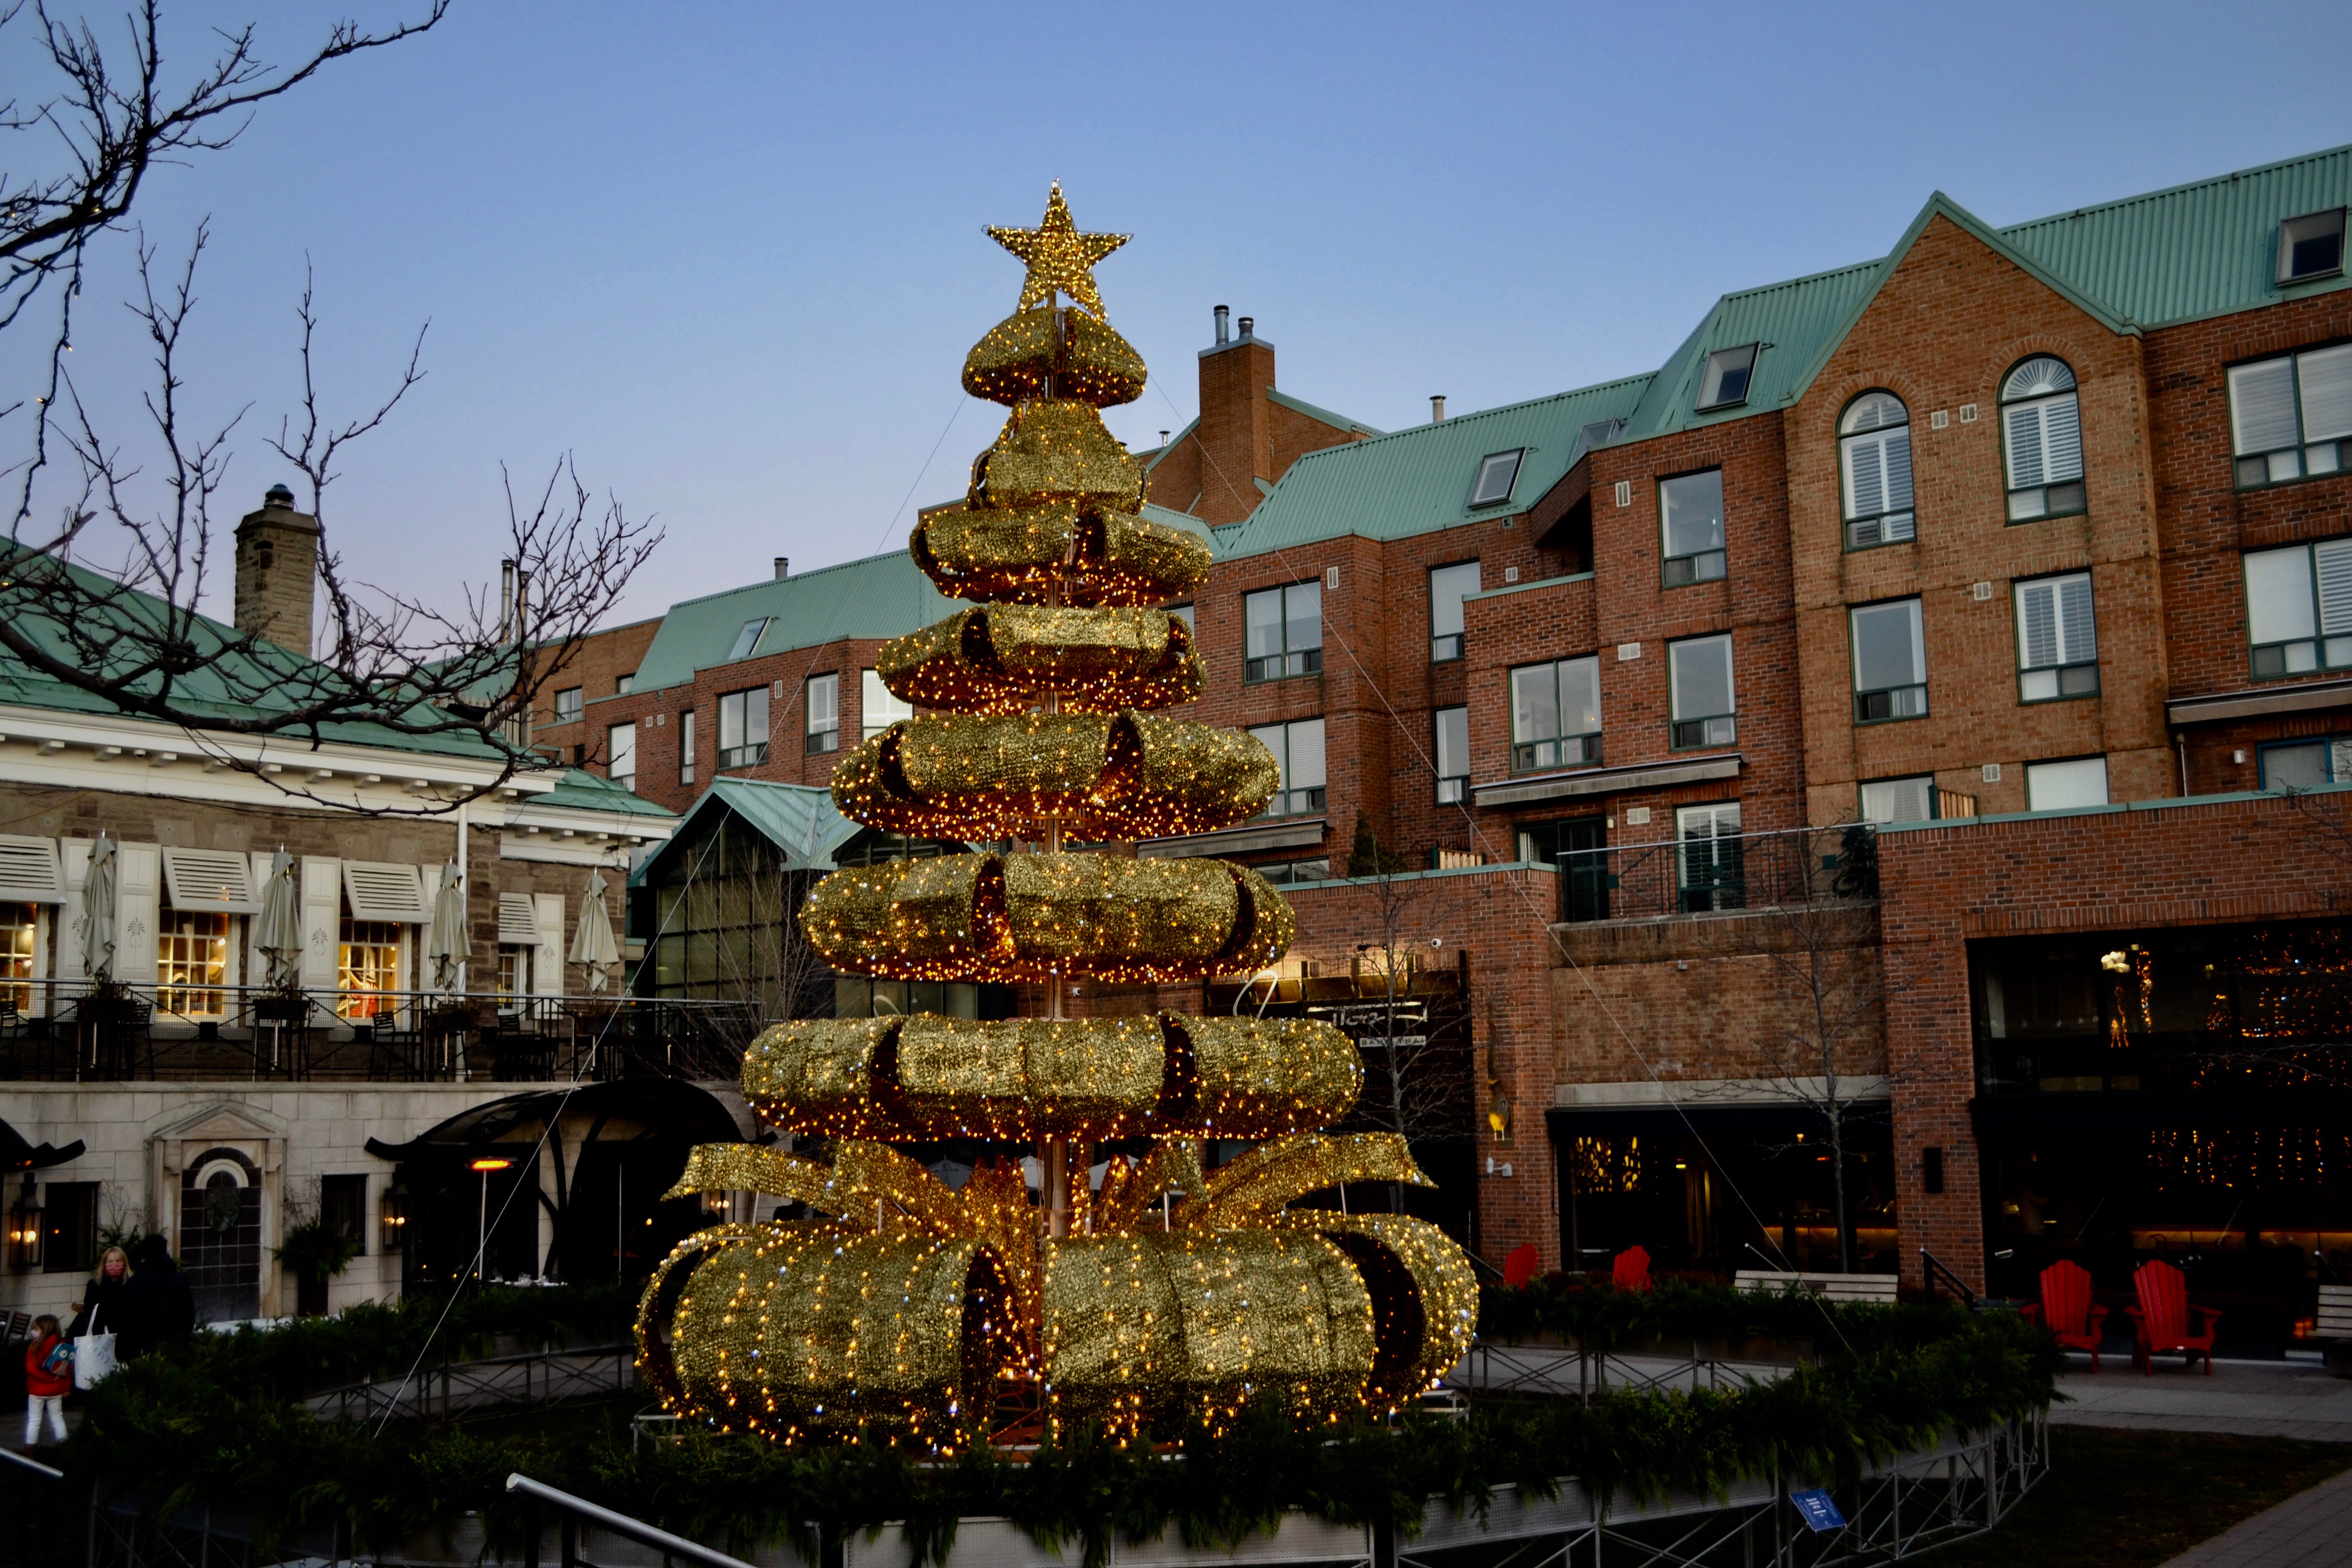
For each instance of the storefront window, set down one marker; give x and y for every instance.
(367, 969)
(192, 963)
(19, 932)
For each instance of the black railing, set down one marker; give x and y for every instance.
(63, 1031)
(1705, 874)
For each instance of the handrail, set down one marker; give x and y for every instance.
(1934, 1270)
(14, 1458)
(617, 1523)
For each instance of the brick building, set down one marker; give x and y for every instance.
(1966, 632)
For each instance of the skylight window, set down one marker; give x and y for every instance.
(748, 639)
(1497, 472)
(2311, 246)
(1725, 385)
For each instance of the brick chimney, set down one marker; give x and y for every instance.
(277, 572)
(1237, 431)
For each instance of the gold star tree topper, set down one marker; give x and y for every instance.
(1059, 257)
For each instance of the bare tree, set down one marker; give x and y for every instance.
(134, 637)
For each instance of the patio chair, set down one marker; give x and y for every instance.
(1520, 1266)
(2066, 1308)
(2165, 1320)
(1630, 1271)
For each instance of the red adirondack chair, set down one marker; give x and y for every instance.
(1632, 1269)
(2066, 1308)
(1520, 1266)
(2165, 1320)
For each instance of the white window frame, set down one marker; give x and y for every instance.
(2055, 781)
(621, 753)
(1294, 794)
(569, 705)
(1709, 564)
(1690, 732)
(686, 746)
(1452, 755)
(2299, 618)
(820, 701)
(386, 892)
(1498, 475)
(877, 710)
(1712, 876)
(2301, 428)
(1289, 659)
(747, 639)
(2052, 486)
(2302, 230)
(220, 880)
(1886, 704)
(2069, 667)
(1727, 377)
(1875, 513)
(1563, 748)
(1446, 608)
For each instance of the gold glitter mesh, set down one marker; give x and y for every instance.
(1001, 658)
(910, 1311)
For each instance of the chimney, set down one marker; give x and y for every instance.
(277, 572)
(1437, 408)
(1221, 339)
(784, 567)
(1236, 425)
(1247, 323)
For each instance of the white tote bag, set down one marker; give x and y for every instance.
(93, 1359)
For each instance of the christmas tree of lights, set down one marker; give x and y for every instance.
(1143, 1291)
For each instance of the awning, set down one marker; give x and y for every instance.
(2254, 702)
(2151, 1109)
(386, 891)
(666, 1105)
(1237, 840)
(1607, 780)
(17, 1154)
(1762, 1118)
(518, 920)
(29, 872)
(217, 880)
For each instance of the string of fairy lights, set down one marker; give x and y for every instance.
(914, 1312)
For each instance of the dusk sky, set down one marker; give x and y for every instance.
(731, 257)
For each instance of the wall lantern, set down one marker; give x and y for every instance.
(392, 1221)
(25, 1228)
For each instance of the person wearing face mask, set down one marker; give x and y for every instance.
(99, 1310)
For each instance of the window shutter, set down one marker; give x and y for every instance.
(1897, 447)
(2062, 439)
(2037, 613)
(2079, 641)
(2261, 406)
(2327, 378)
(29, 873)
(1866, 482)
(1306, 755)
(383, 890)
(2025, 426)
(216, 880)
(518, 921)
(2334, 561)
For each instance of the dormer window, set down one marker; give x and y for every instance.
(1725, 385)
(2311, 246)
(747, 639)
(1497, 472)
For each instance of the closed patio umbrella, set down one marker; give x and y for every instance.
(96, 930)
(592, 947)
(277, 934)
(448, 945)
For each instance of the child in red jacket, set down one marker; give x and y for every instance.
(48, 1378)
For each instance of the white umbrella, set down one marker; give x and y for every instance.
(277, 934)
(448, 946)
(592, 947)
(97, 927)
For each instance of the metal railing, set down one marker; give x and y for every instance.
(541, 1377)
(58, 1030)
(1704, 874)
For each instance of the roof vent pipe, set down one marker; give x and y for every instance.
(1247, 323)
(784, 567)
(1437, 408)
(1221, 327)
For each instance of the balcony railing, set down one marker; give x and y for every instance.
(58, 1030)
(1702, 875)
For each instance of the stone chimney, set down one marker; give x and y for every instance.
(277, 572)
(1236, 429)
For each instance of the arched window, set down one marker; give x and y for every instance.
(2041, 435)
(1874, 457)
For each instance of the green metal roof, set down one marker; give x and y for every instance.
(1337, 421)
(880, 596)
(1418, 480)
(581, 790)
(2209, 249)
(798, 819)
(1154, 512)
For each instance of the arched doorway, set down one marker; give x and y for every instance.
(220, 1235)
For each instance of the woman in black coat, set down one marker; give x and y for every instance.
(99, 1310)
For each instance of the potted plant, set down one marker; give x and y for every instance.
(314, 1250)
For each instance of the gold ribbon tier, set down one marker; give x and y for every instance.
(1047, 353)
(1132, 777)
(1088, 554)
(1055, 449)
(1002, 658)
(926, 1077)
(1033, 917)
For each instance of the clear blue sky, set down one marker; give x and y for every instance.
(732, 256)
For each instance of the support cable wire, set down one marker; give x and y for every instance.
(1480, 840)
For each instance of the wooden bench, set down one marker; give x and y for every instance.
(1829, 1286)
(2335, 1313)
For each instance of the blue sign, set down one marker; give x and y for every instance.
(1817, 1510)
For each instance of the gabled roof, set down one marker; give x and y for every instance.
(1324, 416)
(1170, 444)
(1418, 480)
(798, 819)
(581, 790)
(2207, 248)
(880, 596)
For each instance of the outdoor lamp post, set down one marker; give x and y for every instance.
(25, 1228)
(482, 1226)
